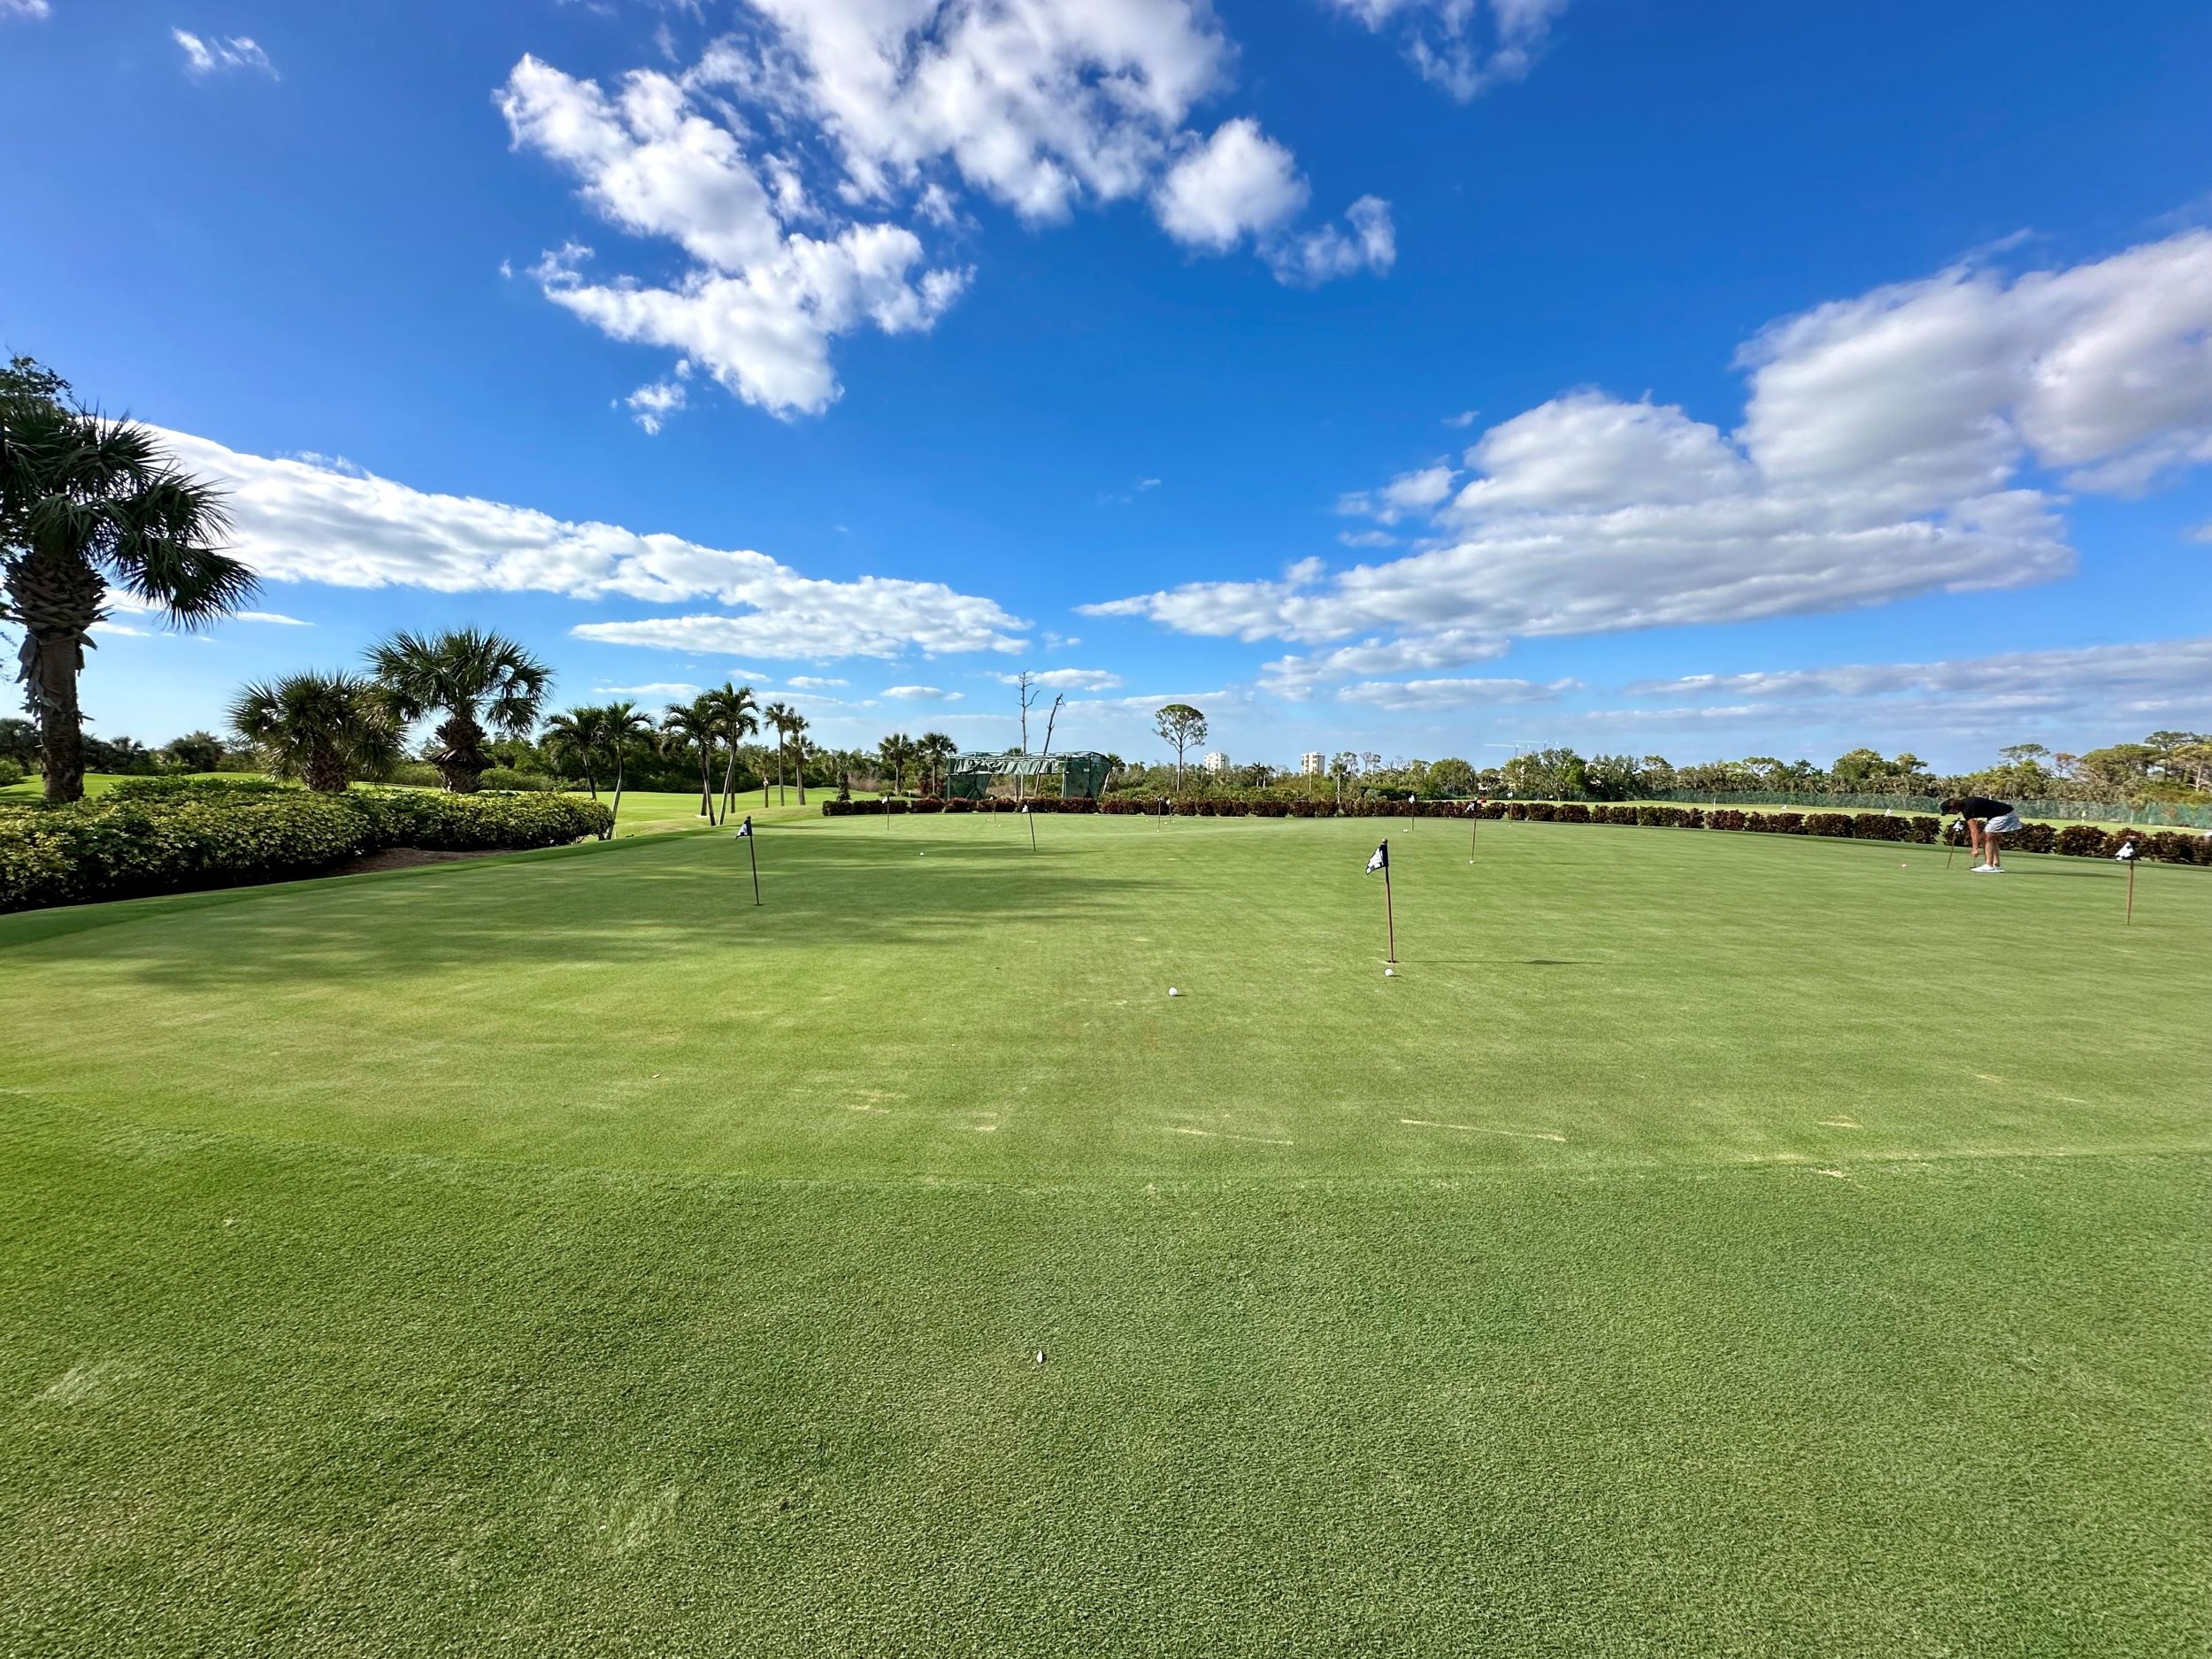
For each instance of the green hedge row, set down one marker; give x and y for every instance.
(2078, 840)
(122, 846)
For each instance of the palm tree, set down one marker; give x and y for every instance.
(85, 502)
(736, 718)
(781, 716)
(895, 751)
(690, 726)
(936, 751)
(577, 736)
(801, 749)
(470, 676)
(623, 726)
(325, 729)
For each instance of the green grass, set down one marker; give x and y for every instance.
(1707, 1244)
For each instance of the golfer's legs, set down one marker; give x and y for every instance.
(1991, 846)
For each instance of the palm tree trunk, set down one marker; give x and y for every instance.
(56, 599)
(615, 816)
(798, 764)
(51, 665)
(729, 779)
(706, 797)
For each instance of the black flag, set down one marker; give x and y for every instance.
(1380, 860)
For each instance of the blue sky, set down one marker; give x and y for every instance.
(1396, 375)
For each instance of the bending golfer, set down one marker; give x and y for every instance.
(1987, 824)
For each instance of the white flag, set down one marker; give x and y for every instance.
(1380, 860)
(745, 830)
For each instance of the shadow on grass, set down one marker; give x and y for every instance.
(653, 904)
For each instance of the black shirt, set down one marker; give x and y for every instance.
(1982, 806)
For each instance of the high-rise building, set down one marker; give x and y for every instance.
(1216, 761)
(1312, 764)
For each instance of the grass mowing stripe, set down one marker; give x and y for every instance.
(310, 1400)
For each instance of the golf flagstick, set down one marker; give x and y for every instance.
(1381, 861)
(2126, 856)
(1952, 842)
(1032, 827)
(745, 834)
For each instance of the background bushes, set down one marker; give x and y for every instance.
(224, 833)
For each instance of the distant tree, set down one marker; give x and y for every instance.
(1612, 778)
(895, 751)
(937, 752)
(576, 738)
(1452, 776)
(324, 729)
(86, 501)
(195, 751)
(19, 742)
(691, 728)
(470, 676)
(736, 718)
(802, 747)
(1182, 728)
(779, 718)
(624, 729)
(123, 755)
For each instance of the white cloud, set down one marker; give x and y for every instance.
(921, 693)
(1414, 492)
(760, 305)
(2114, 674)
(25, 10)
(1463, 46)
(276, 617)
(1326, 253)
(1399, 695)
(814, 682)
(293, 522)
(216, 54)
(667, 690)
(1298, 677)
(2076, 697)
(1464, 419)
(652, 406)
(798, 162)
(1366, 538)
(1239, 182)
(1886, 451)
(1067, 680)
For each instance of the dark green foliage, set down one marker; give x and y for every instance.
(162, 835)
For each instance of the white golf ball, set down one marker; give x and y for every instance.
(1171, 991)
(1390, 973)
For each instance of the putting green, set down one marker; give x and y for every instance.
(1706, 1243)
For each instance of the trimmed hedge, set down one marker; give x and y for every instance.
(170, 840)
(2083, 840)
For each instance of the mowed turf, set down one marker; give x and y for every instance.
(1706, 1244)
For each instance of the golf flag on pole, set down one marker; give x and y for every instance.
(1381, 861)
(2126, 856)
(752, 854)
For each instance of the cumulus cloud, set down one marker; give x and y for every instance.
(1069, 680)
(651, 406)
(921, 693)
(761, 304)
(1896, 444)
(798, 163)
(213, 54)
(1239, 182)
(1328, 252)
(25, 10)
(1466, 47)
(814, 682)
(293, 523)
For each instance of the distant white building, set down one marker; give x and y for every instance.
(1217, 762)
(1312, 764)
